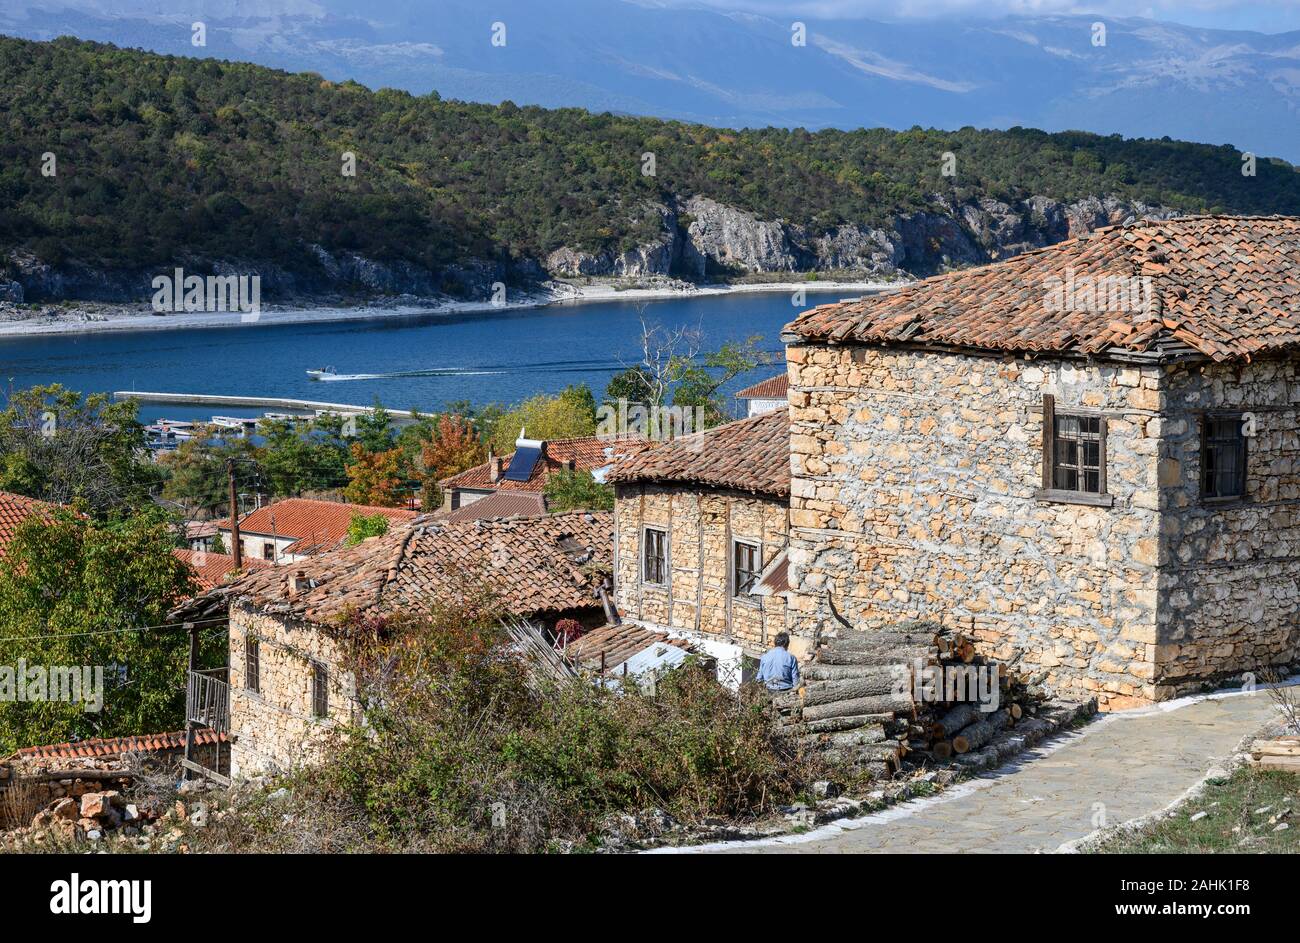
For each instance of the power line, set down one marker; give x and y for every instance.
(139, 628)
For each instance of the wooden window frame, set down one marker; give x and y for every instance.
(268, 545)
(1049, 491)
(252, 664)
(320, 690)
(733, 571)
(1204, 420)
(645, 557)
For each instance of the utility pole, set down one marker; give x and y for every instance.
(236, 545)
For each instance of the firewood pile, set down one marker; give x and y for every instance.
(908, 696)
(1282, 753)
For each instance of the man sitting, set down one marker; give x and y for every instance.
(778, 669)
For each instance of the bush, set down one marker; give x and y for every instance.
(461, 750)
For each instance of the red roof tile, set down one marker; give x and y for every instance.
(145, 743)
(501, 504)
(318, 525)
(776, 387)
(587, 454)
(14, 509)
(533, 566)
(1224, 286)
(211, 569)
(748, 455)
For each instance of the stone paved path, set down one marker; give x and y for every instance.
(1131, 764)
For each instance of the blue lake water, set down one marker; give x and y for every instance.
(500, 357)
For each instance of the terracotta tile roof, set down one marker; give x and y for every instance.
(211, 569)
(748, 455)
(776, 387)
(587, 454)
(318, 525)
(501, 504)
(14, 509)
(1224, 286)
(145, 743)
(616, 643)
(533, 565)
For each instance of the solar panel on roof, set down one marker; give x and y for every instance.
(523, 463)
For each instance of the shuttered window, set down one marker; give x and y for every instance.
(745, 568)
(655, 556)
(252, 665)
(320, 691)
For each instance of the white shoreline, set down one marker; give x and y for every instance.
(140, 318)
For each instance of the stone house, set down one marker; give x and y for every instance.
(287, 683)
(766, 395)
(1087, 456)
(701, 525)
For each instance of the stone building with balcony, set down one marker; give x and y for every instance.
(1086, 456)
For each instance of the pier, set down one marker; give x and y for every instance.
(304, 406)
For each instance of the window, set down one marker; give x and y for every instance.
(1074, 456)
(320, 691)
(745, 567)
(252, 665)
(654, 550)
(1223, 457)
(268, 551)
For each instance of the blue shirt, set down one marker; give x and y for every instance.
(779, 670)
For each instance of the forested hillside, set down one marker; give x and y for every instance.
(162, 160)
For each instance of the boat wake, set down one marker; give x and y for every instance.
(399, 374)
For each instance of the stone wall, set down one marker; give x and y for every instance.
(1230, 580)
(914, 496)
(274, 728)
(700, 524)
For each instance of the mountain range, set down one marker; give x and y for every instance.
(1148, 78)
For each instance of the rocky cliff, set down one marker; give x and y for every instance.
(700, 240)
(703, 239)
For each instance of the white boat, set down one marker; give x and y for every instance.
(325, 373)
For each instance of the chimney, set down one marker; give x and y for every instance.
(299, 583)
(494, 468)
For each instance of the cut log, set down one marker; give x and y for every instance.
(862, 737)
(1287, 746)
(833, 724)
(883, 656)
(824, 692)
(880, 703)
(960, 717)
(822, 672)
(1016, 711)
(978, 734)
(941, 749)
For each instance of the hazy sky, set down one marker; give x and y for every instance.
(1268, 16)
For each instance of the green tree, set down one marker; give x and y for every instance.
(362, 527)
(577, 491)
(77, 592)
(569, 415)
(58, 446)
